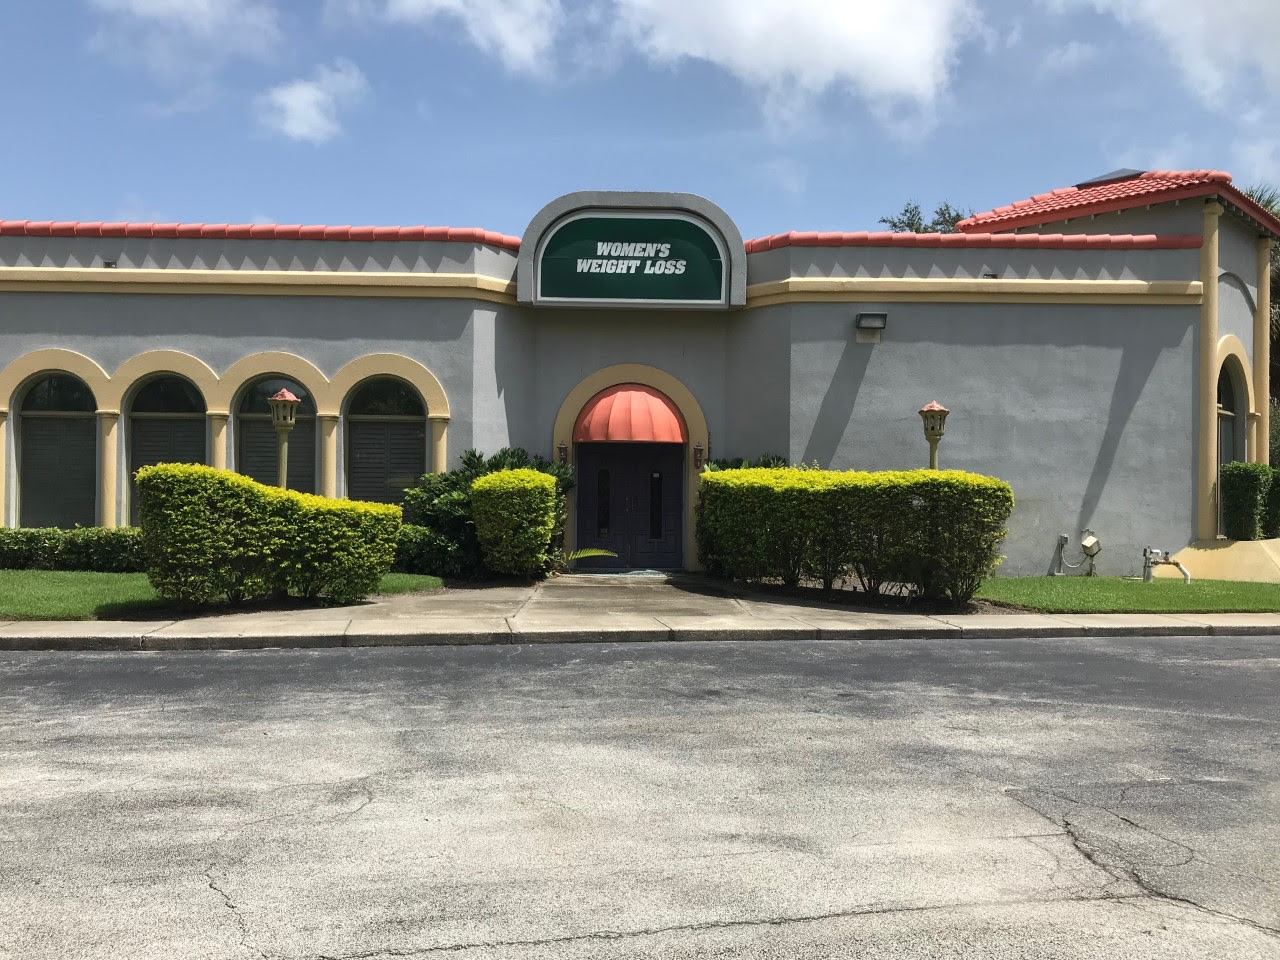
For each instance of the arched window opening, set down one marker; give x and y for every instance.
(386, 433)
(256, 437)
(1232, 423)
(166, 425)
(57, 454)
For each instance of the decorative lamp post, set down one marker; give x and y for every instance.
(934, 416)
(284, 414)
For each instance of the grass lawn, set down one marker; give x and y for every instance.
(79, 595)
(1123, 595)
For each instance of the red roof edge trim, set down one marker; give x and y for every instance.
(1152, 187)
(1017, 241)
(255, 231)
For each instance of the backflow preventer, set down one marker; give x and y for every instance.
(1152, 558)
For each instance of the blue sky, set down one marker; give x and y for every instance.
(791, 114)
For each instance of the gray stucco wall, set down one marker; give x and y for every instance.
(1087, 411)
(1186, 216)
(962, 263)
(305, 255)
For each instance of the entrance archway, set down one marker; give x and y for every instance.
(632, 439)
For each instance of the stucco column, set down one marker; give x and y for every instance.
(1262, 355)
(328, 454)
(439, 444)
(1207, 381)
(218, 439)
(4, 468)
(109, 466)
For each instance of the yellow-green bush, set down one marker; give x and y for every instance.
(100, 549)
(937, 532)
(216, 535)
(515, 514)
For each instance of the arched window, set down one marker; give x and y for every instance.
(386, 433)
(57, 454)
(1232, 422)
(166, 425)
(256, 437)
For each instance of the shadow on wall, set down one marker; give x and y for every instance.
(959, 341)
(836, 410)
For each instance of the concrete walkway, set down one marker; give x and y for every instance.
(590, 609)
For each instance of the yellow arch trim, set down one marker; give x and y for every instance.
(153, 362)
(694, 419)
(1231, 346)
(390, 365)
(54, 360)
(263, 364)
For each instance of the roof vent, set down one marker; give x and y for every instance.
(1115, 176)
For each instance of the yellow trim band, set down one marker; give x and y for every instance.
(948, 290)
(295, 283)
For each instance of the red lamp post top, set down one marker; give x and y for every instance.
(284, 395)
(933, 406)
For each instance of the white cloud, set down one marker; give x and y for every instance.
(1218, 47)
(185, 42)
(520, 33)
(891, 53)
(1068, 57)
(308, 109)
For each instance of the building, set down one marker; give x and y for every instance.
(1102, 348)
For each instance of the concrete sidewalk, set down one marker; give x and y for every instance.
(592, 609)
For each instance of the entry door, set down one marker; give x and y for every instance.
(630, 501)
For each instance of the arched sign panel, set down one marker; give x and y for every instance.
(637, 258)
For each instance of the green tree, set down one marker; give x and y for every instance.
(910, 219)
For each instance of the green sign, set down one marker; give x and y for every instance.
(644, 259)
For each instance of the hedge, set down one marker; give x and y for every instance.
(515, 516)
(1245, 491)
(214, 535)
(441, 505)
(938, 532)
(99, 549)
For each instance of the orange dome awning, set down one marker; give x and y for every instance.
(629, 412)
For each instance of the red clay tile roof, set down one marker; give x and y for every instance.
(252, 231)
(1016, 241)
(1153, 186)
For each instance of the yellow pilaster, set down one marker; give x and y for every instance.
(108, 422)
(1207, 381)
(328, 454)
(1262, 355)
(4, 469)
(218, 440)
(439, 444)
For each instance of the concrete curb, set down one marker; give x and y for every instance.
(373, 633)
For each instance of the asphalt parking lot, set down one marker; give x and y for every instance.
(980, 798)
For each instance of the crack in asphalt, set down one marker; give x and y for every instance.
(615, 935)
(1112, 862)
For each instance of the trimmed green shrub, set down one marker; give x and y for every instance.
(338, 549)
(442, 504)
(98, 549)
(1244, 489)
(936, 532)
(212, 535)
(515, 516)
(1271, 517)
(30, 548)
(420, 549)
(103, 549)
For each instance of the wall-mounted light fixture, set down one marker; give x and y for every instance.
(562, 452)
(698, 453)
(869, 326)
